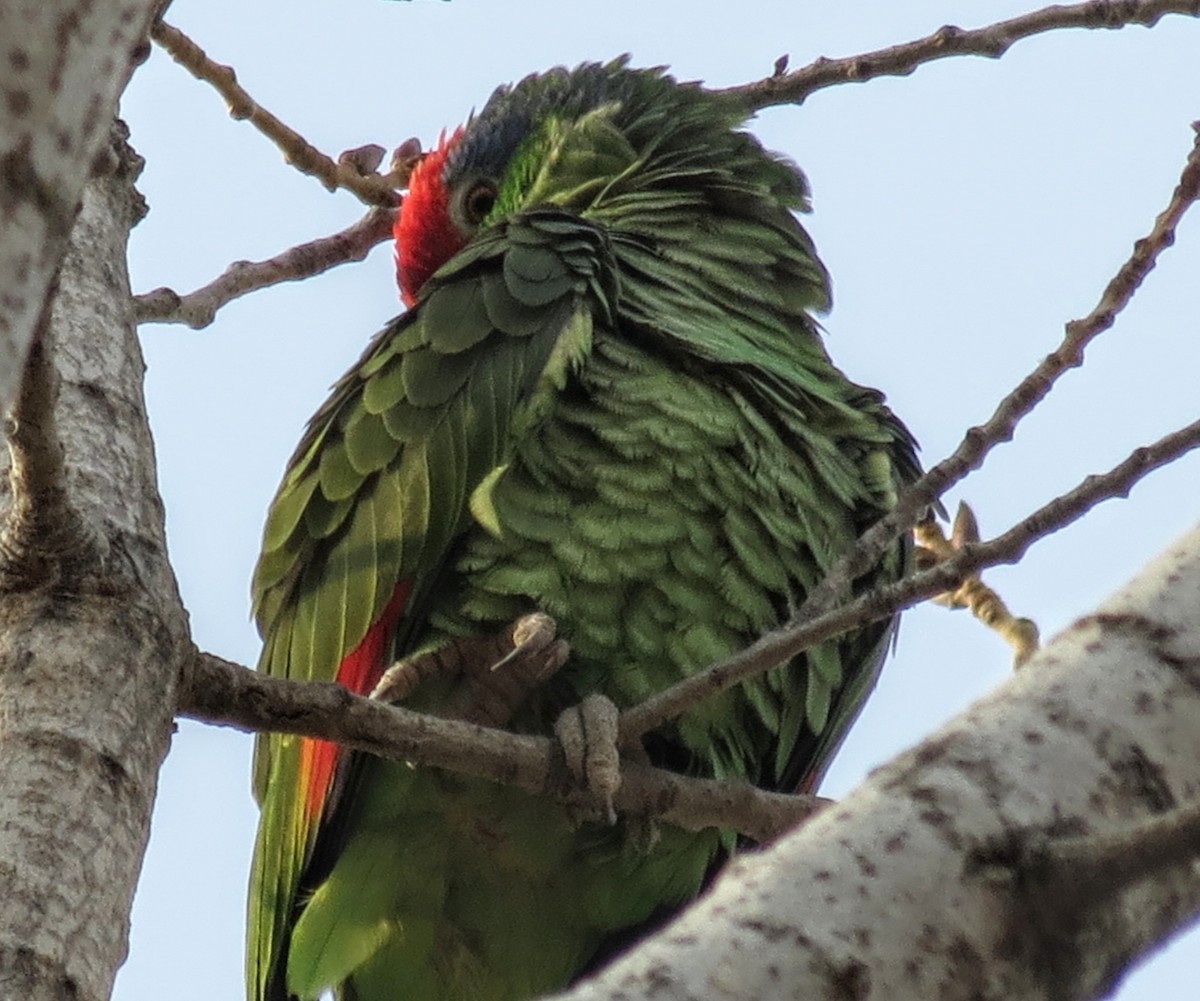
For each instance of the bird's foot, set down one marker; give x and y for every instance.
(587, 735)
(493, 687)
(491, 675)
(985, 604)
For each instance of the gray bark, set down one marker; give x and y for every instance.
(64, 63)
(89, 656)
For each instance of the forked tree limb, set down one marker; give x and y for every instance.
(199, 308)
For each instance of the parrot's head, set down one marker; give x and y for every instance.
(573, 138)
(488, 169)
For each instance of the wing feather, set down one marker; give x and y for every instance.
(378, 491)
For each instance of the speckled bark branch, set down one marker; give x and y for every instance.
(371, 188)
(42, 537)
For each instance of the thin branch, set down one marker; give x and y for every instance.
(371, 188)
(809, 628)
(199, 308)
(980, 440)
(220, 692)
(992, 42)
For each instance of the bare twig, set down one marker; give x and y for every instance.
(980, 440)
(371, 188)
(198, 309)
(992, 41)
(809, 627)
(220, 692)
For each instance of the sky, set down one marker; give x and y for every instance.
(966, 212)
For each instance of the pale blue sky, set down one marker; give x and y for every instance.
(966, 212)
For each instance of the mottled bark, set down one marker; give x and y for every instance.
(90, 645)
(63, 64)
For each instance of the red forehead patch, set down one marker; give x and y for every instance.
(425, 235)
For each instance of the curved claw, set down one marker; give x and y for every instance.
(530, 634)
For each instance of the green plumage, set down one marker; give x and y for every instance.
(612, 405)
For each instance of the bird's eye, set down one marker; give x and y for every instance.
(479, 202)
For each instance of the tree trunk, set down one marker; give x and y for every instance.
(91, 634)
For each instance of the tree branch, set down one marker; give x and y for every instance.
(199, 308)
(217, 691)
(87, 673)
(371, 189)
(980, 440)
(992, 42)
(220, 692)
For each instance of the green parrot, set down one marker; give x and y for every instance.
(608, 400)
